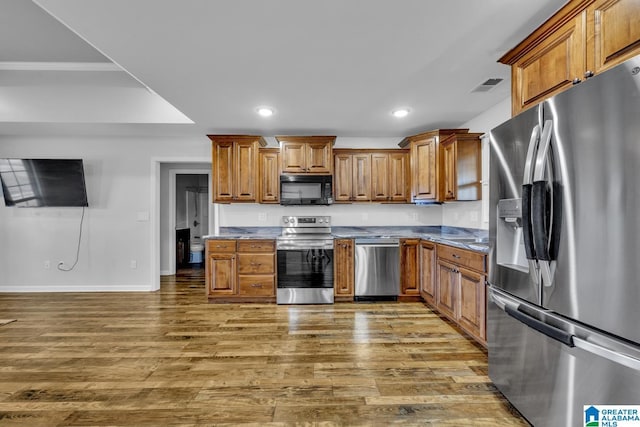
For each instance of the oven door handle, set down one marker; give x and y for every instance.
(298, 246)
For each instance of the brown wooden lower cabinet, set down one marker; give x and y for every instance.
(409, 268)
(446, 296)
(427, 271)
(472, 303)
(343, 265)
(458, 278)
(243, 270)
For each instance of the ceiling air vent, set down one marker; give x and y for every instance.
(487, 85)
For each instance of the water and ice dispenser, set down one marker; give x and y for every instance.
(510, 242)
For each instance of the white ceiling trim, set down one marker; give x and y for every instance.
(59, 66)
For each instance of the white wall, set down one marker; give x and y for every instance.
(118, 228)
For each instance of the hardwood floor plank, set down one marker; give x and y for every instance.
(170, 358)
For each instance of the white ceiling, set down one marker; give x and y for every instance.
(327, 67)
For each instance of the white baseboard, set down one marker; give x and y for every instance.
(166, 273)
(75, 288)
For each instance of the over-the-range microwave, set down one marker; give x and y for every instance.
(306, 189)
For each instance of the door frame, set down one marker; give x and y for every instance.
(155, 180)
(173, 174)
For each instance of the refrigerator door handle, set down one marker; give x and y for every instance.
(540, 326)
(543, 150)
(527, 179)
(512, 308)
(614, 356)
(540, 208)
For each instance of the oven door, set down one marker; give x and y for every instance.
(305, 274)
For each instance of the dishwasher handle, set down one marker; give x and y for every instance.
(378, 243)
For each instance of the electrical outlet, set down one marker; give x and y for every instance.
(262, 216)
(414, 216)
(47, 264)
(474, 215)
(133, 264)
(365, 216)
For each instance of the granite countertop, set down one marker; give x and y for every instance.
(465, 238)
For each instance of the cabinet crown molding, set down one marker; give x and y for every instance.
(231, 138)
(436, 132)
(310, 138)
(565, 14)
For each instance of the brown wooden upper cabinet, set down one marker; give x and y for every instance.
(433, 169)
(269, 175)
(583, 38)
(462, 160)
(371, 175)
(306, 154)
(235, 167)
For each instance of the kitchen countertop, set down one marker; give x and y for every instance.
(465, 238)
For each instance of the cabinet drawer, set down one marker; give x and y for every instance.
(474, 260)
(256, 263)
(256, 285)
(221, 245)
(256, 246)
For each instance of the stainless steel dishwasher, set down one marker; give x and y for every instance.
(377, 266)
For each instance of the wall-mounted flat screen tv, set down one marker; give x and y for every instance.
(43, 182)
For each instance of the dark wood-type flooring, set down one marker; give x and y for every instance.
(170, 358)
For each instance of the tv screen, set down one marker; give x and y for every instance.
(43, 182)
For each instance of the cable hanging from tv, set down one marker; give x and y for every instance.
(61, 265)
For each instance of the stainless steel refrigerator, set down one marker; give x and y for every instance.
(564, 278)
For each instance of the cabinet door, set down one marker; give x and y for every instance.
(450, 172)
(269, 177)
(380, 177)
(427, 269)
(319, 157)
(246, 174)
(398, 178)
(342, 185)
(551, 66)
(293, 157)
(221, 274)
(424, 168)
(361, 178)
(223, 168)
(614, 30)
(472, 296)
(409, 267)
(446, 288)
(343, 262)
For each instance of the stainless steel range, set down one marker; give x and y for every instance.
(305, 260)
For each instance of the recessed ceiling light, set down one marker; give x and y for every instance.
(265, 111)
(400, 112)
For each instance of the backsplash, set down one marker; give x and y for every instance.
(261, 215)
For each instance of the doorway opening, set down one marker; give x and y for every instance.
(192, 219)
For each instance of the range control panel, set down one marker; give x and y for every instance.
(306, 221)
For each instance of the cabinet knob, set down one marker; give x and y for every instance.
(455, 256)
(256, 285)
(576, 81)
(588, 74)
